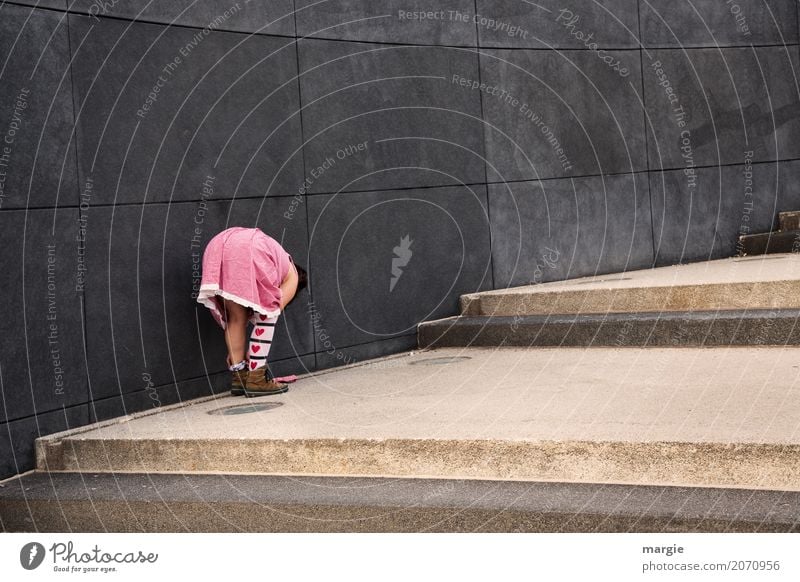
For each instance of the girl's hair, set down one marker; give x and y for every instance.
(302, 282)
(302, 278)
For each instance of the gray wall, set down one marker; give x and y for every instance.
(655, 140)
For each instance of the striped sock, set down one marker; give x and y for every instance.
(261, 339)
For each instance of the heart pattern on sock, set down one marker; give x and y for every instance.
(260, 340)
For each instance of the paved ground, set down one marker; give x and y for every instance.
(723, 395)
(710, 416)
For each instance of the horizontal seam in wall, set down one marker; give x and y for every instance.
(679, 47)
(390, 43)
(548, 48)
(105, 398)
(387, 339)
(36, 415)
(378, 190)
(192, 379)
(145, 21)
(469, 47)
(636, 173)
(108, 398)
(712, 166)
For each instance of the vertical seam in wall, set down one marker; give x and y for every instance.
(303, 159)
(74, 107)
(646, 135)
(483, 144)
(82, 296)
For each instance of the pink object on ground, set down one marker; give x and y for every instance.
(287, 379)
(246, 266)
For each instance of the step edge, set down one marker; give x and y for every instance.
(769, 465)
(592, 316)
(416, 477)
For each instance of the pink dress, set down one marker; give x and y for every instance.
(246, 266)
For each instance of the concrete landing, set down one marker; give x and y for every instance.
(657, 416)
(761, 282)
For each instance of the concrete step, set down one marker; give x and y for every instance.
(718, 417)
(737, 283)
(789, 220)
(767, 243)
(688, 328)
(92, 502)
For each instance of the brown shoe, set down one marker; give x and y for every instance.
(260, 383)
(238, 381)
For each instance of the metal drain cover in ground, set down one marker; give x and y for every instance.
(245, 408)
(439, 361)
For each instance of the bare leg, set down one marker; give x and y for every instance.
(235, 332)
